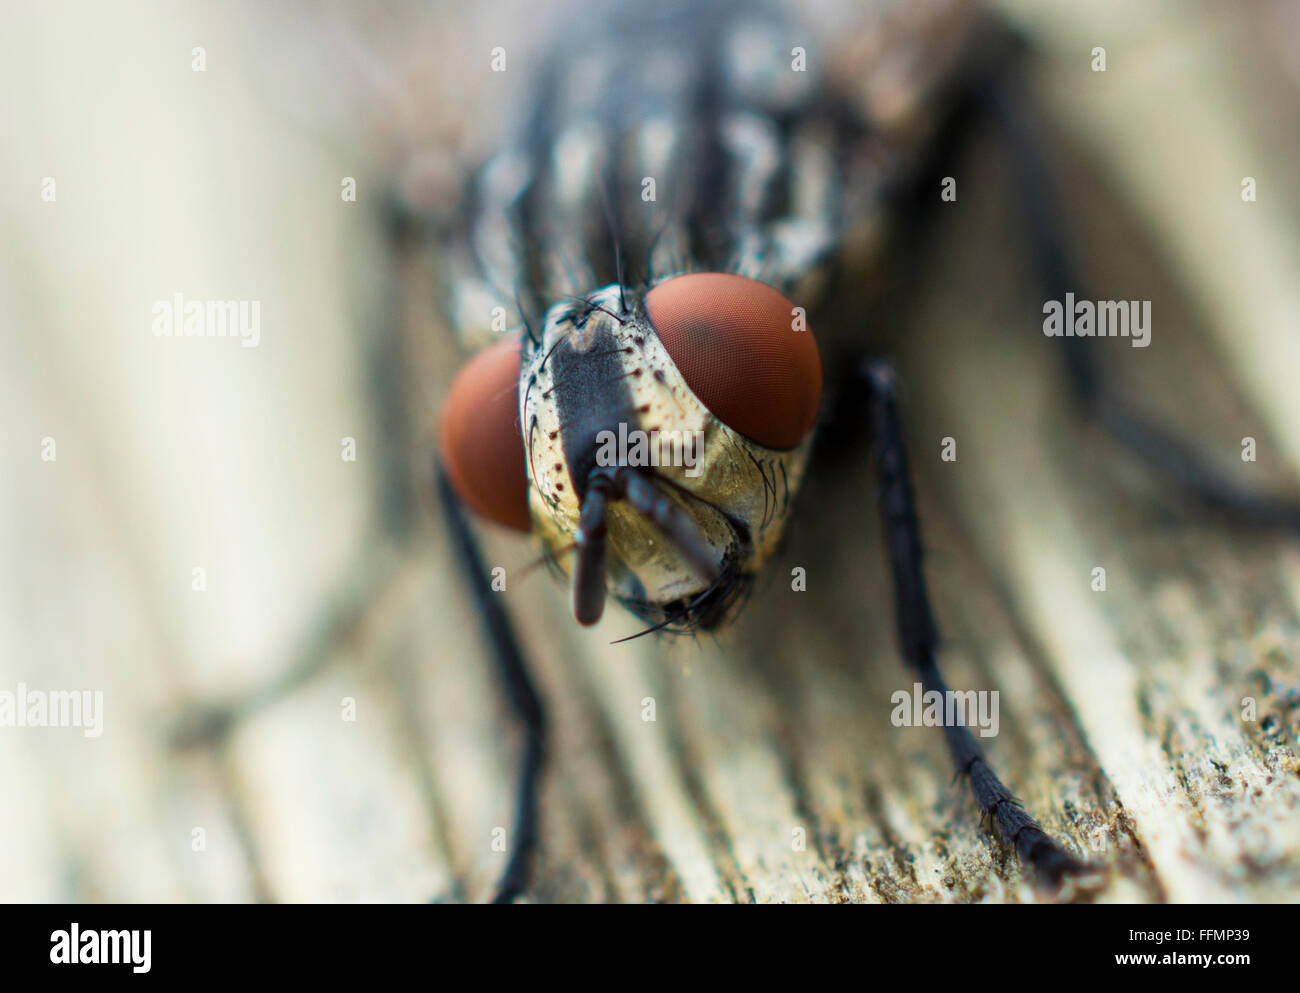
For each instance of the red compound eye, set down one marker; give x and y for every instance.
(735, 343)
(480, 440)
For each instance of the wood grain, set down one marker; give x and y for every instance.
(1121, 724)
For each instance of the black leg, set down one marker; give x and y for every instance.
(918, 635)
(1047, 235)
(518, 685)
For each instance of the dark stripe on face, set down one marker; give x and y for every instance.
(591, 396)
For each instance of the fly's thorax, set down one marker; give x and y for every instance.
(725, 136)
(599, 392)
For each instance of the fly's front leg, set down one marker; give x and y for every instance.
(1048, 239)
(518, 684)
(918, 635)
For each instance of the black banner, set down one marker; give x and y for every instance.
(166, 943)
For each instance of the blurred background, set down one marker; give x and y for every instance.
(371, 761)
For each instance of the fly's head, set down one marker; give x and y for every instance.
(656, 442)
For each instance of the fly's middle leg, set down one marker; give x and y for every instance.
(918, 634)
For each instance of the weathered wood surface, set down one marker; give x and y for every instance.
(1121, 711)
